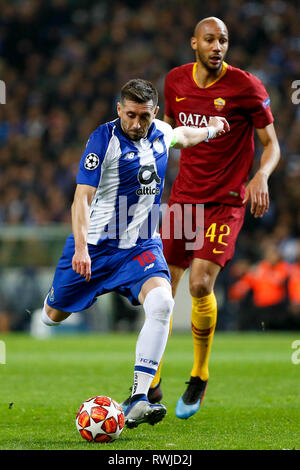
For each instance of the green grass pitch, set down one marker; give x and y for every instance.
(252, 400)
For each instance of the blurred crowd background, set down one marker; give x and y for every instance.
(63, 63)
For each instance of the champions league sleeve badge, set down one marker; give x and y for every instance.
(91, 161)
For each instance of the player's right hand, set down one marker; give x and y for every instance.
(81, 263)
(258, 193)
(220, 124)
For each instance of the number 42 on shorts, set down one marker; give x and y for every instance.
(216, 235)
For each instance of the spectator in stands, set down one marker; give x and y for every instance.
(267, 282)
(294, 292)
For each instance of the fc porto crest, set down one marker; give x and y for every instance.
(158, 145)
(219, 103)
(51, 294)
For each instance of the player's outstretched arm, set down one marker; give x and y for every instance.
(81, 262)
(257, 189)
(185, 136)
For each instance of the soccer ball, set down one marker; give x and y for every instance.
(100, 419)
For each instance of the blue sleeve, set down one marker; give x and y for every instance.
(91, 161)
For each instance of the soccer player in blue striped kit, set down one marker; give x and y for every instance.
(114, 245)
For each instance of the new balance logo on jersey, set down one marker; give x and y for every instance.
(149, 267)
(129, 156)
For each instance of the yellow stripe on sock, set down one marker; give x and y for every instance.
(204, 318)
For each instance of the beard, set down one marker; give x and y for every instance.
(136, 135)
(205, 62)
(133, 135)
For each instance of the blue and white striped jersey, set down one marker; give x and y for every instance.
(129, 177)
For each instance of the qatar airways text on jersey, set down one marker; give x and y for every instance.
(193, 119)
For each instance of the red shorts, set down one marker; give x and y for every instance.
(205, 231)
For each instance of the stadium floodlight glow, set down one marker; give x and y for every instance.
(2, 92)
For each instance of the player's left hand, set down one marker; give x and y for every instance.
(258, 193)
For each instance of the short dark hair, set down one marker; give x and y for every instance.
(140, 91)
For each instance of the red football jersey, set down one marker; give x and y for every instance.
(216, 170)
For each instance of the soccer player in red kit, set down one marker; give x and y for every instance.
(214, 173)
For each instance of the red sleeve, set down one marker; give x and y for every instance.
(167, 95)
(258, 104)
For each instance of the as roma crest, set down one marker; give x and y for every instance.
(219, 103)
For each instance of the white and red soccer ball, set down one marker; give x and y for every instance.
(100, 419)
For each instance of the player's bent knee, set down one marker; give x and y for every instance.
(51, 316)
(165, 306)
(47, 320)
(200, 288)
(159, 303)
